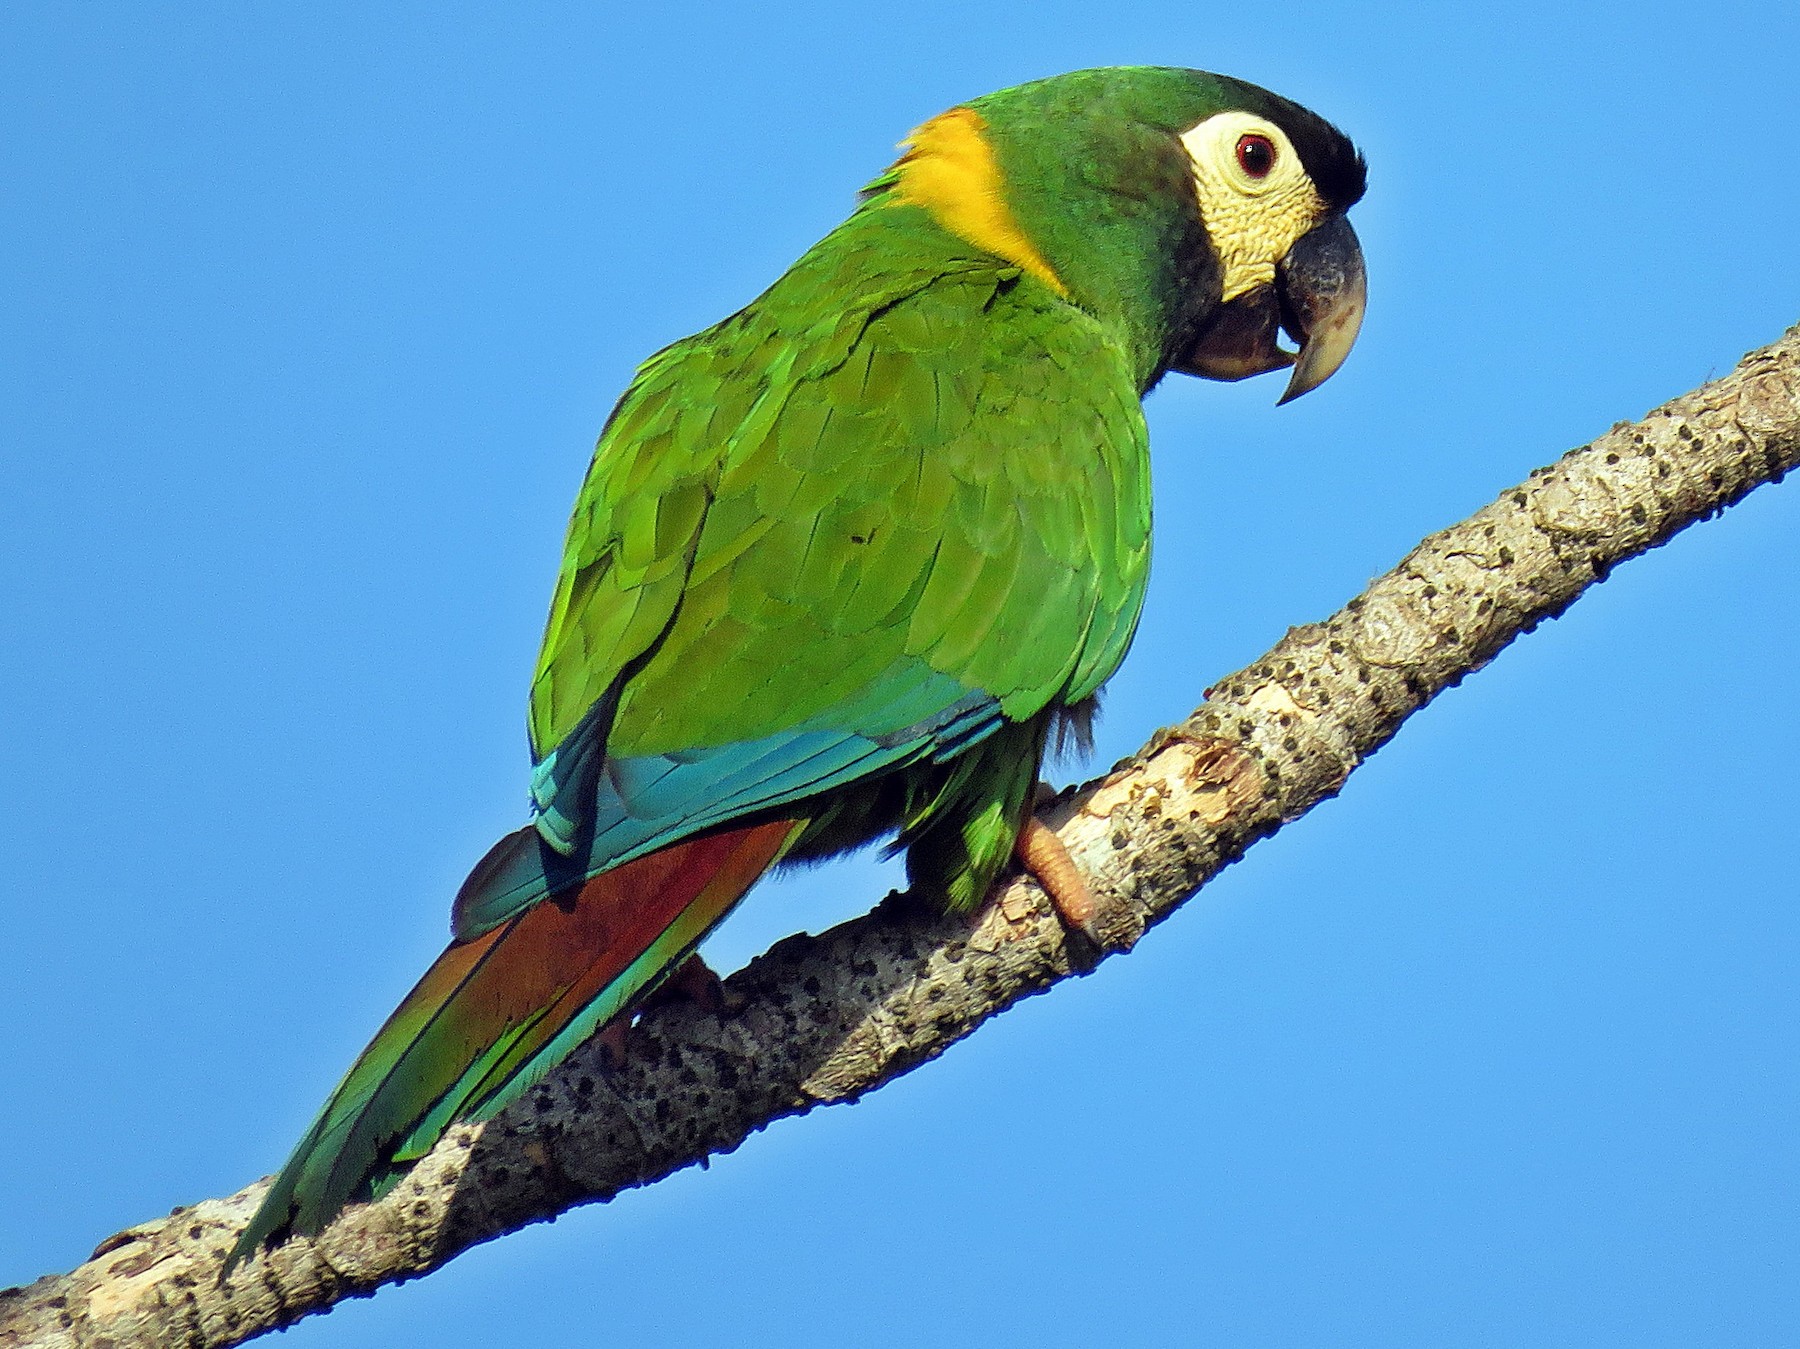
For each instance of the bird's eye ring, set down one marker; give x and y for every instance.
(1256, 155)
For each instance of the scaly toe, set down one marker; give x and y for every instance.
(1041, 853)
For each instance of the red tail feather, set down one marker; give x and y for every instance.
(493, 1013)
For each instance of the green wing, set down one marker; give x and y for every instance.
(898, 502)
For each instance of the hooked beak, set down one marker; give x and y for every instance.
(1317, 299)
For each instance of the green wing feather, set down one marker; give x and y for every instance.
(897, 460)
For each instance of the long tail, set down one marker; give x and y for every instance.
(497, 1011)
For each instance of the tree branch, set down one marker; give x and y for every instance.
(827, 1019)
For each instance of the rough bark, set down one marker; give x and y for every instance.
(826, 1019)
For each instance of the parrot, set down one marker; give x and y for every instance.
(846, 564)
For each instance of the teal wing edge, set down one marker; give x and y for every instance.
(860, 438)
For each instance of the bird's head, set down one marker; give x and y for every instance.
(1200, 215)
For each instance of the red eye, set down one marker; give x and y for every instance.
(1256, 155)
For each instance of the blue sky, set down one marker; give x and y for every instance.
(311, 318)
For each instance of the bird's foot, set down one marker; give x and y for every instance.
(613, 1038)
(693, 980)
(690, 981)
(1041, 853)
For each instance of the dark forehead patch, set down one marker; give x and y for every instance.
(1332, 162)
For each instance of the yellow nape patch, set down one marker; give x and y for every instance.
(949, 168)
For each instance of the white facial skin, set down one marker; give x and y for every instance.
(1253, 217)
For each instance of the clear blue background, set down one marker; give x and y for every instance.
(310, 317)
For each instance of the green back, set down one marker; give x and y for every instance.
(903, 458)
